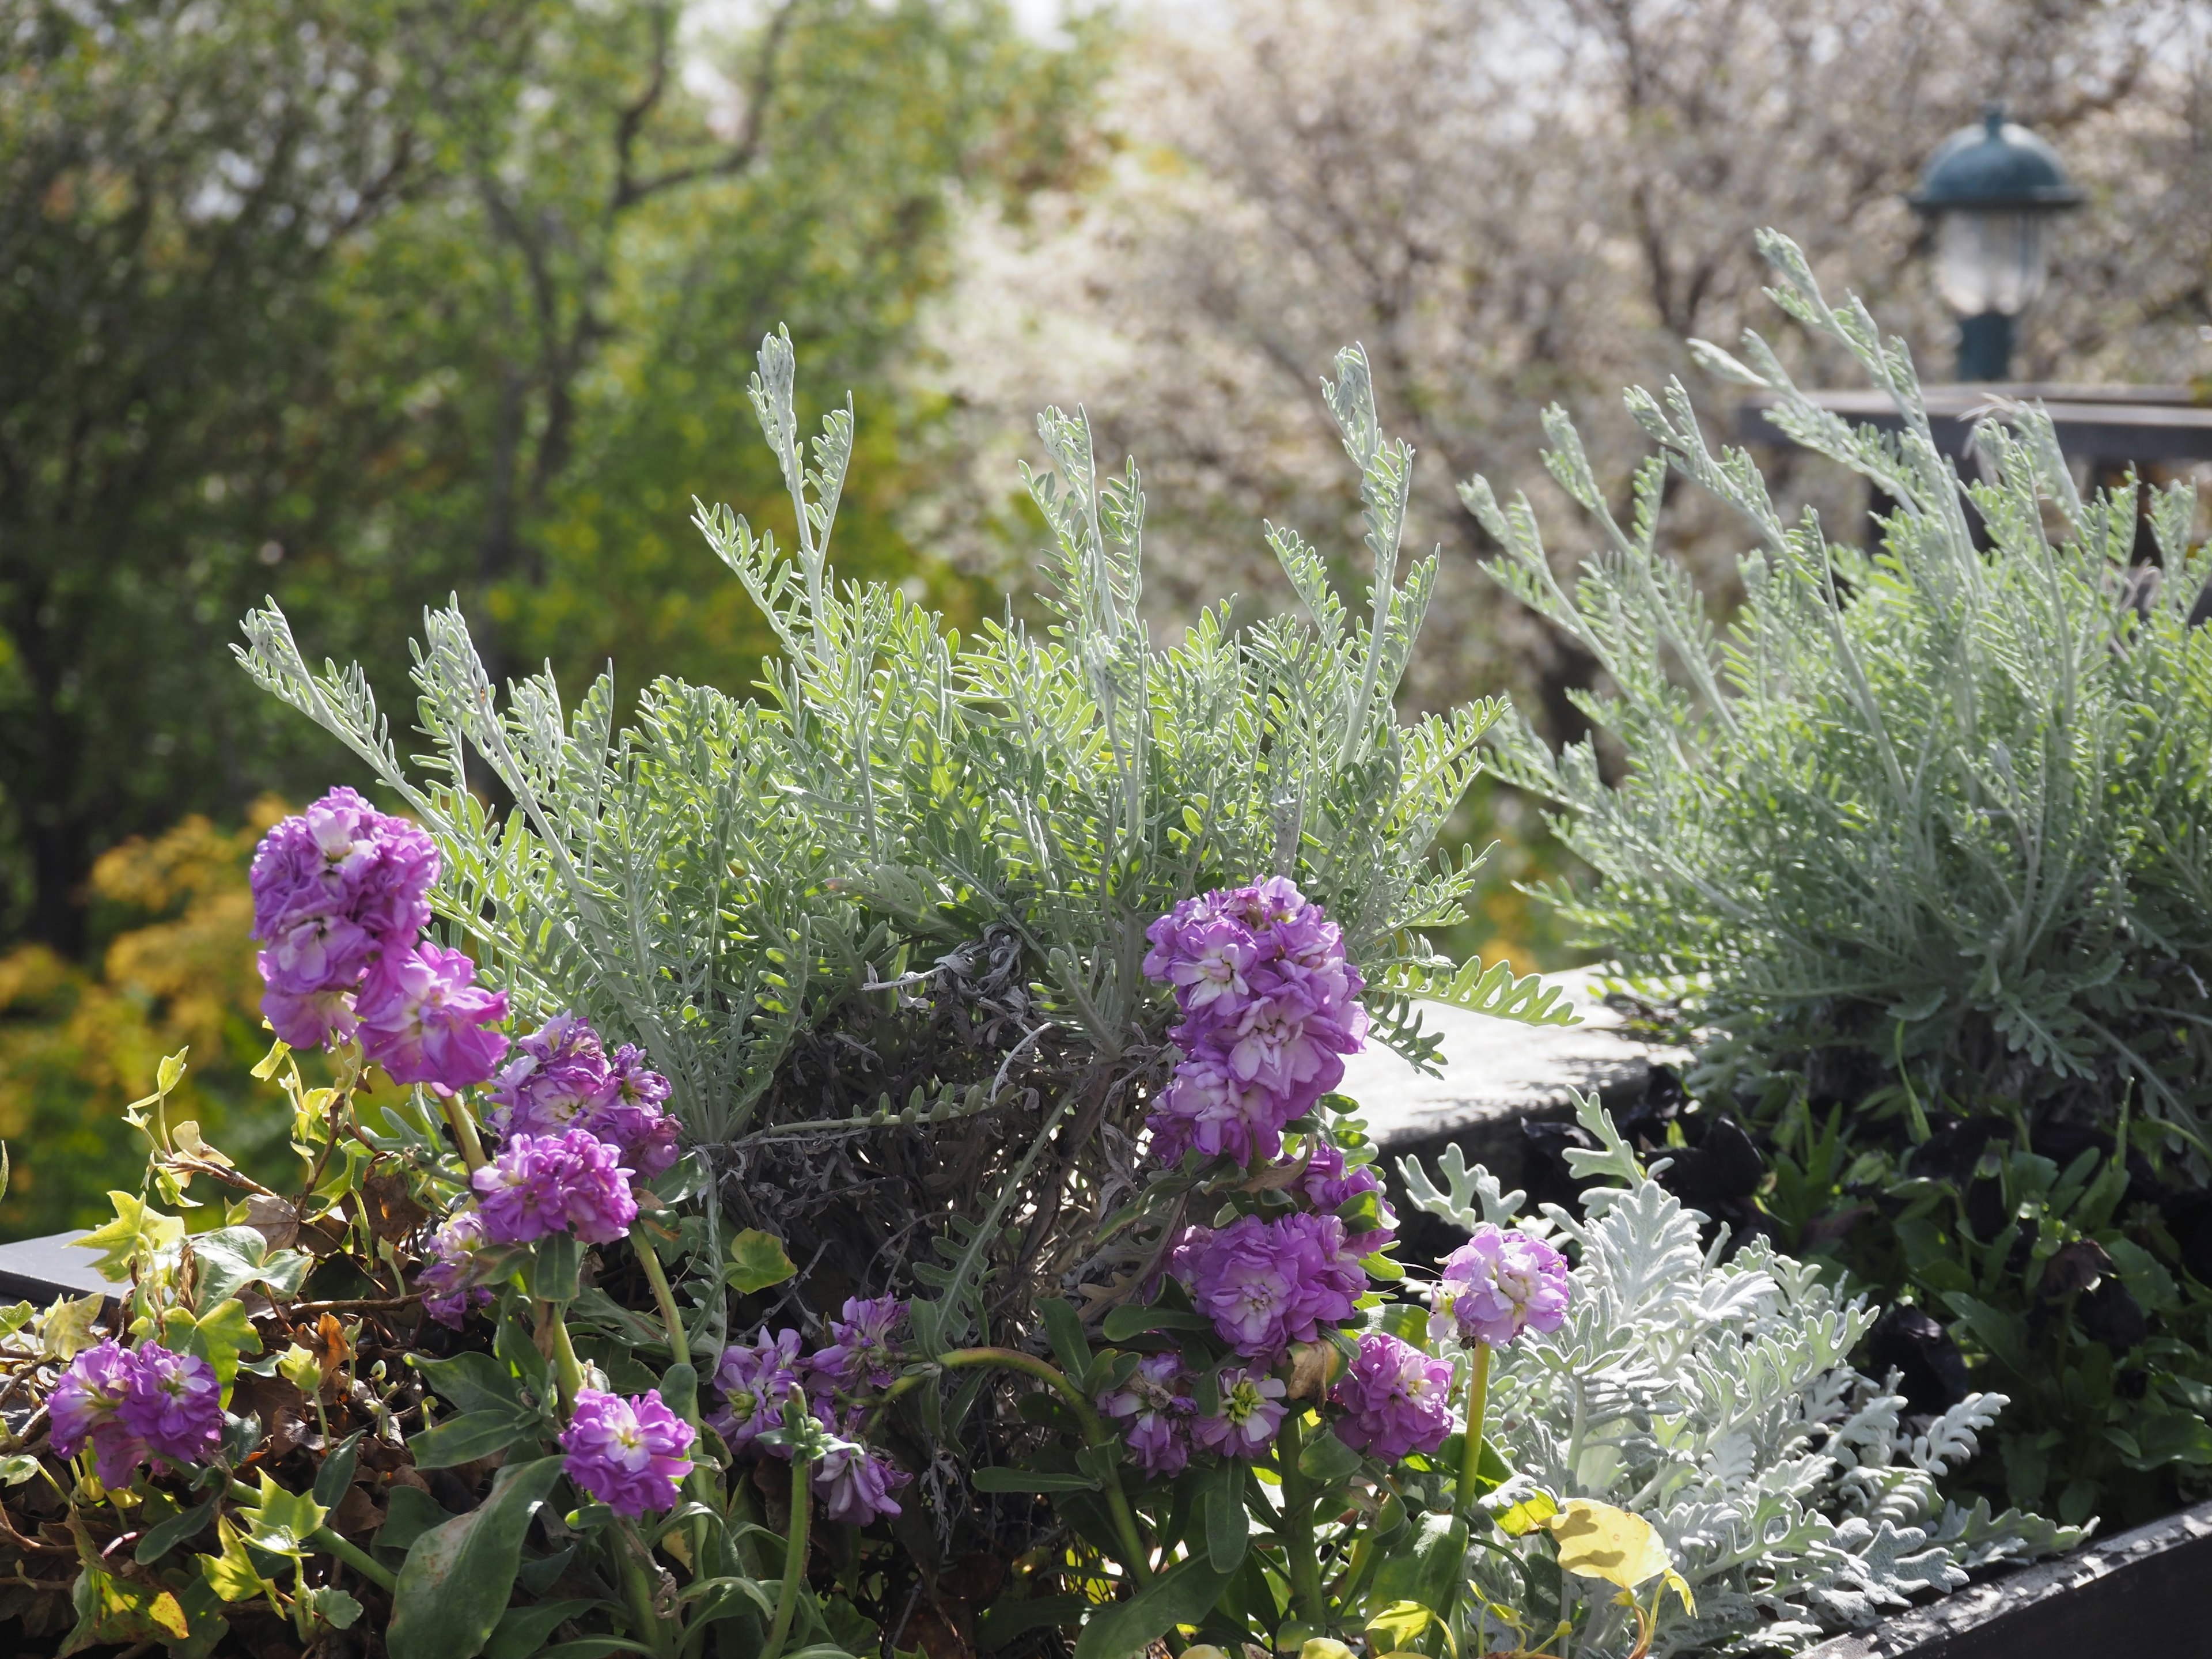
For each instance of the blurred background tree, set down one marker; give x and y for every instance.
(365, 304)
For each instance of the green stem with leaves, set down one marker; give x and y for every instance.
(568, 1370)
(1094, 1431)
(323, 1541)
(664, 1297)
(1300, 1558)
(465, 1132)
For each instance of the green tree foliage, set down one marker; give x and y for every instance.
(367, 304)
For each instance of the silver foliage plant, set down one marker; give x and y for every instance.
(1713, 1395)
(1937, 802)
(759, 890)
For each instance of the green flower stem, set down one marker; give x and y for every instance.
(465, 1131)
(637, 1586)
(672, 1316)
(1300, 1556)
(323, 1541)
(567, 1370)
(1478, 1407)
(1094, 1431)
(794, 1556)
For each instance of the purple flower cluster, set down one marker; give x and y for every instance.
(130, 1406)
(571, 1183)
(755, 1379)
(1155, 1406)
(561, 1078)
(1267, 1284)
(1329, 1187)
(1395, 1399)
(1270, 1007)
(627, 1452)
(341, 895)
(1499, 1284)
(447, 1295)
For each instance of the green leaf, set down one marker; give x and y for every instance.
(1004, 1620)
(512, 1342)
(458, 1577)
(135, 1230)
(332, 1606)
(231, 1258)
(282, 1522)
(1126, 1320)
(409, 1514)
(1031, 1481)
(218, 1336)
(471, 1434)
(1486, 989)
(1530, 1513)
(521, 1631)
(471, 1381)
(1183, 1595)
(1327, 1458)
(110, 1609)
(336, 1473)
(232, 1575)
(1426, 1567)
(757, 1260)
(16, 1469)
(158, 1541)
(1065, 1327)
(679, 1391)
(1228, 1528)
(554, 1263)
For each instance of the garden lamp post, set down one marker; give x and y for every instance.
(1991, 189)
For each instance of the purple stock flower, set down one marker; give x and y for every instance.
(174, 1404)
(423, 1018)
(1158, 1405)
(309, 1020)
(1251, 1413)
(85, 1406)
(755, 1378)
(540, 1184)
(1328, 1187)
(1396, 1399)
(1270, 1005)
(561, 1078)
(1266, 1285)
(860, 1354)
(854, 1484)
(447, 1294)
(1499, 1284)
(553, 1081)
(332, 888)
(1204, 1107)
(628, 1453)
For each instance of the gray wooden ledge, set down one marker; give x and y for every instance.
(41, 1269)
(2144, 1591)
(1498, 1075)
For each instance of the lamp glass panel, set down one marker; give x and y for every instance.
(1989, 261)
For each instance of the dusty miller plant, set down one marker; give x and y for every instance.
(1933, 808)
(1714, 1396)
(881, 926)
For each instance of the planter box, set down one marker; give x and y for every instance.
(2145, 1592)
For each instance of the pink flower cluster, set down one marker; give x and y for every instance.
(1161, 1422)
(755, 1379)
(629, 1452)
(1499, 1284)
(1395, 1399)
(341, 896)
(561, 1078)
(1270, 1007)
(132, 1406)
(1268, 1283)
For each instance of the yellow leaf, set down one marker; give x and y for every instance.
(300, 1369)
(1675, 1582)
(1401, 1621)
(186, 1134)
(1531, 1512)
(137, 1230)
(232, 1575)
(1597, 1541)
(66, 1328)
